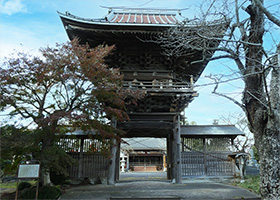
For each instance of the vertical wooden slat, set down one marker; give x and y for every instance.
(80, 166)
(93, 164)
(218, 163)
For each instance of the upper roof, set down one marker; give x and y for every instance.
(133, 16)
(137, 30)
(141, 16)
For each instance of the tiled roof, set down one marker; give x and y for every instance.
(124, 15)
(210, 130)
(144, 144)
(141, 18)
(132, 16)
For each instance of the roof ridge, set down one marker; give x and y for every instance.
(134, 8)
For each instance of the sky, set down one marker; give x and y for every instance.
(27, 25)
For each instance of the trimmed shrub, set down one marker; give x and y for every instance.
(46, 192)
(23, 185)
(57, 179)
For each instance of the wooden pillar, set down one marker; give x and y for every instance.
(177, 151)
(117, 173)
(168, 160)
(112, 162)
(80, 164)
(173, 157)
(204, 156)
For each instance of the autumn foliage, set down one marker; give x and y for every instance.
(67, 85)
(66, 88)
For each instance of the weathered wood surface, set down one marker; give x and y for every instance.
(93, 166)
(208, 164)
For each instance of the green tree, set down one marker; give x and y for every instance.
(65, 88)
(16, 145)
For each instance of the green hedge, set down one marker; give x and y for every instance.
(46, 192)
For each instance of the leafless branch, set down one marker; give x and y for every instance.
(267, 13)
(260, 101)
(217, 80)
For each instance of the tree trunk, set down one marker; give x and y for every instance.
(269, 151)
(112, 164)
(262, 112)
(47, 139)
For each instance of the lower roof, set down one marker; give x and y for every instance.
(210, 131)
(198, 131)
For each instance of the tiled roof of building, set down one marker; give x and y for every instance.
(133, 16)
(142, 15)
(144, 144)
(142, 18)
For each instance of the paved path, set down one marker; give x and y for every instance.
(134, 176)
(139, 190)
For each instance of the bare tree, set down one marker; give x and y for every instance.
(241, 144)
(242, 40)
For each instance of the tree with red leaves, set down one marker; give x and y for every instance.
(65, 88)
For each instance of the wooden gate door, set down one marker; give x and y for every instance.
(206, 157)
(207, 164)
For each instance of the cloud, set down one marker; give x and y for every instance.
(10, 7)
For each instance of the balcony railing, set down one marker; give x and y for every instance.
(156, 85)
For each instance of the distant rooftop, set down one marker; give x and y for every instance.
(144, 144)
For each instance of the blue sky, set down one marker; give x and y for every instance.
(30, 24)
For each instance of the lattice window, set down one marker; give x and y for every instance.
(211, 144)
(192, 144)
(70, 145)
(89, 145)
(217, 144)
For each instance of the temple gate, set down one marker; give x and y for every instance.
(167, 81)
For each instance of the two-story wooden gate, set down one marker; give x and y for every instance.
(166, 80)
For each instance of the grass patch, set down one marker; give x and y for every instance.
(156, 178)
(251, 183)
(14, 184)
(8, 185)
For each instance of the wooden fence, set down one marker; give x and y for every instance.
(87, 152)
(90, 165)
(207, 164)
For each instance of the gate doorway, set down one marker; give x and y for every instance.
(143, 159)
